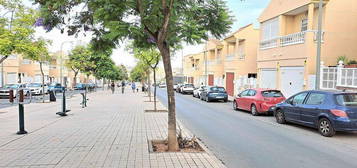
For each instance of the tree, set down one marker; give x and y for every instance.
(138, 73)
(38, 52)
(16, 28)
(79, 59)
(161, 23)
(151, 58)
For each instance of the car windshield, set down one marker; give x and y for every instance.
(34, 85)
(272, 93)
(218, 89)
(79, 85)
(188, 85)
(54, 84)
(349, 99)
(12, 86)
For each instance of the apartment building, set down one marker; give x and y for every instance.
(9, 70)
(193, 70)
(287, 49)
(240, 56)
(215, 59)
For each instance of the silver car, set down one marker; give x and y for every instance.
(5, 91)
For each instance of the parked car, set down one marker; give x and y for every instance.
(5, 91)
(175, 86)
(80, 86)
(55, 87)
(187, 89)
(197, 91)
(211, 93)
(258, 101)
(162, 85)
(36, 88)
(328, 111)
(178, 88)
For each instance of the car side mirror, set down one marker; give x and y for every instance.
(239, 95)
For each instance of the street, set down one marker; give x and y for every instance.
(242, 140)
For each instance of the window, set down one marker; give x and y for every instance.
(26, 61)
(244, 93)
(252, 93)
(272, 93)
(349, 99)
(315, 99)
(270, 29)
(299, 99)
(304, 23)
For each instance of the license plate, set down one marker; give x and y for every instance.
(219, 97)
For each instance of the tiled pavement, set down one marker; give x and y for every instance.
(112, 132)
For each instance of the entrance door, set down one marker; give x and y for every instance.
(210, 80)
(229, 83)
(292, 80)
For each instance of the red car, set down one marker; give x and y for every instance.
(258, 101)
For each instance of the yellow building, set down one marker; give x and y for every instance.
(240, 56)
(193, 70)
(9, 70)
(215, 68)
(287, 51)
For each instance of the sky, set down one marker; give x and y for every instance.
(244, 11)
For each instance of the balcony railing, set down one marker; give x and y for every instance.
(291, 39)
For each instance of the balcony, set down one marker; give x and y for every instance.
(291, 39)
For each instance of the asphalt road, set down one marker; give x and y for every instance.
(242, 140)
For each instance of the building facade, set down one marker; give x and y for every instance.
(288, 41)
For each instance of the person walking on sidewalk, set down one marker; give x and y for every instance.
(133, 86)
(122, 87)
(112, 87)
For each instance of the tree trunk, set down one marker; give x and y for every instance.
(75, 79)
(154, 89)
(43, 83)
(172, 138)
(149, 88)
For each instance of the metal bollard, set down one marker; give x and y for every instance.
(64, 110)
(21, 113)
(11, 96)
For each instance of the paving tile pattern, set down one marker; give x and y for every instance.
(112, 132)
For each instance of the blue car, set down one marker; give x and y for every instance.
(55, 87)
(327, 111)
(214, 93)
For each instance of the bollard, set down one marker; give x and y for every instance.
(64, 110)
(21, 113)
(11, 96)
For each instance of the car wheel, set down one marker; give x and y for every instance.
(235, 107)
(225, 100)
(325, 128)
(279, 116)
(254, 110)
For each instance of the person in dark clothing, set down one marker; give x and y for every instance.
(122, 87)
(112, 87)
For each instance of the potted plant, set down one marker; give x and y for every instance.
(342, 58)
(351, 64)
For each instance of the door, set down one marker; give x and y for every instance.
(311, 108)
(293, 109)
(229, 83)
(249, 99)
(242, 99)
(292, 80)
(210, 80)
(267, 78)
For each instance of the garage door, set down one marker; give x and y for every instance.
(267, 78)
(292, 80)
(210, 80)
(229, 83)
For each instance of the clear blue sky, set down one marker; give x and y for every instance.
(246, 11)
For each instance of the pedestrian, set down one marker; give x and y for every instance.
(133, 86)
(122, 87)
(112, 87)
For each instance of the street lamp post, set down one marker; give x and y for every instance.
(319, 41)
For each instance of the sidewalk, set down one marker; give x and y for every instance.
(112, 132)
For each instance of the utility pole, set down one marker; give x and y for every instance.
(206, 73)
(319, 41)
